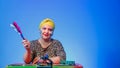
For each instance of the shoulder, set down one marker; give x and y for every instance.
(56, 41)
(34, 41)
(34, 44)
(57, 45)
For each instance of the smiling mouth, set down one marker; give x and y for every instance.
(46, 35)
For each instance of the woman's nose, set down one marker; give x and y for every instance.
(46, 31)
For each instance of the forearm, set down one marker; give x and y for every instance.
(56, 60)
(27, 57)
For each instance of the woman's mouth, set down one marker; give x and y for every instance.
(46, 35)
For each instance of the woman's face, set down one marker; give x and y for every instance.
(46, 32)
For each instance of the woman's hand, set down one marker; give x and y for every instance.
(37, 60)
(26, 44)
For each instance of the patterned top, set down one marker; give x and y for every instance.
(54, 49)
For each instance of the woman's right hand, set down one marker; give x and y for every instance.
(37, 60)
(26, 44)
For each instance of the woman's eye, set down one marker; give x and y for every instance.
(50, 29)
(44, 28)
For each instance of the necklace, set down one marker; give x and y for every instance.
(44, 44)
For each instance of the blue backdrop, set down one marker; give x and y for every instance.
(88, 29)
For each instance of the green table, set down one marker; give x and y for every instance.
(37, 66)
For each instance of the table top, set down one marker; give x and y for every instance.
(42, 66)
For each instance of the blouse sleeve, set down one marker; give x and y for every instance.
(32, 48)
(60, 51)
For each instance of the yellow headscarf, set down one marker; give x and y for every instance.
(48, 22)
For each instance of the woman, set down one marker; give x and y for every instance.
(44, 45)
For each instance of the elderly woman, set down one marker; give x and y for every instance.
(44, 45)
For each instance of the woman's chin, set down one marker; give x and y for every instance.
(46, 38)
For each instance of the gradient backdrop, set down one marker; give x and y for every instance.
(88, 29)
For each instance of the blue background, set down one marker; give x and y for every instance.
(88, 29)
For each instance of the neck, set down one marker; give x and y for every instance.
(45, 43)
(45, 40)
